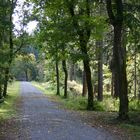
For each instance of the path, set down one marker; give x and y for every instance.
(41, 119)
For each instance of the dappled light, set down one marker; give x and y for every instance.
(69, 70)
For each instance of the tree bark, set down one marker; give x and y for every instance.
(116, 85)
(66, 78)
(84, 90)
(83, 45)
(100, 71)
(120, 57)
(6, 79)
(112, 85)
(13, 3)
(57, 79)
(1, 91)
(84, 35)
(119, 54)
(135, 75)
(89, 85)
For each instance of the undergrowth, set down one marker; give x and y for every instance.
(108, 105)
(7, 108)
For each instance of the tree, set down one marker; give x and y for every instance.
(83, 32)
(84, 90)
(57, 77)
(5, 42)
(66, 77)
(100, 70)
(119, 56)
(132, 22)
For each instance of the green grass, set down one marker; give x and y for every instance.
(7, 108)
(76, 102)
(46, 88)
(72, 102)
(132, 130)
(134, 105)
(132, 127)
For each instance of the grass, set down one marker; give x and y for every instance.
(43, 86)
(76, 102)
(132, 130)
(7, 108)
(131, 127)
(72, 102)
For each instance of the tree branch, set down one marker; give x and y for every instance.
(88, 29)
(119, 7)
(110, 11)
(70, 5)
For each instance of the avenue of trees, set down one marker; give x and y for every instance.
(93, 42)
(6, 43)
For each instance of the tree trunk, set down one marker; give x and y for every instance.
(135, 75)
(112, 85)
(100, 71)
(114, 80)
(83, 45)
(84, 35)
(66, 78)
(89, 85)
(1, 91)
(116, 86)
(116, 19)
(11, 50)
(138, 96)
(6, 82)
(120, 72)
(57, 78)
(84, 91)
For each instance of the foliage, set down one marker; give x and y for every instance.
(75, 101)
(63, 27)
(24, 64)
(107, 106)
(133, 130)
(7, 108)
(134, 105)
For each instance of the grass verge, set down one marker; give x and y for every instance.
(7, 108)
(105, 118)
(72, 102)
(132, 130)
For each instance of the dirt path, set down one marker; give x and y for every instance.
(41, 119)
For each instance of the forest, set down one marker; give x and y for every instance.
(85, 51)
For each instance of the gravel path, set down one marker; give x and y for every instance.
(41, 119)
